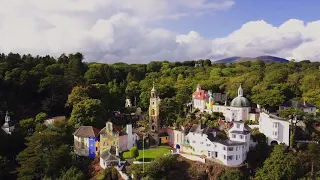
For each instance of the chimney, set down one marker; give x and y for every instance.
(129, 129)
(117, 151)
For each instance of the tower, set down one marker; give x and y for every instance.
(154, 121)
(7, 126)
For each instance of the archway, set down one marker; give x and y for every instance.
(273, 143)
(177, 146)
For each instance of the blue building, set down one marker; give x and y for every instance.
(86, 141)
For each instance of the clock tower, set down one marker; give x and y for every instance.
(154, 121)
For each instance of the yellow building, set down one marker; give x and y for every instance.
(164, 137)
(109, 136)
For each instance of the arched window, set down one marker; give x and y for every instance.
(152, 95)
(153, 112)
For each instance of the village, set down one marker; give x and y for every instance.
(228, 143)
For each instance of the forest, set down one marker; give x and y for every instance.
(33, 88)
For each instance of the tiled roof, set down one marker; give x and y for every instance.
(86, 131)
(241, 132)
(298, 104)
(109, 155)
(201, 95)
(115, 129)
(230, 143)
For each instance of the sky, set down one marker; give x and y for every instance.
(140, 31)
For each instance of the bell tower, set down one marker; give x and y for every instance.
(154, 121)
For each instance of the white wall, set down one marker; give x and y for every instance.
(82, 151)
(233, 113)
(203, 146)
(199, 142)
(267, 127)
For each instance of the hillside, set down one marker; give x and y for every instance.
(236, 59)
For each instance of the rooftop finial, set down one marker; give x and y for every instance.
(240, 91)
(153, 88)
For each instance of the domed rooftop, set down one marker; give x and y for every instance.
(240, 101)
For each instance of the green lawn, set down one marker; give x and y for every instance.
(149, 154)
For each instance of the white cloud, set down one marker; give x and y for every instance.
(293, 39)
(118, 30)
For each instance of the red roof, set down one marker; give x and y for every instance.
(201, 95)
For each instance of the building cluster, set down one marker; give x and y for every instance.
(106, 143)
(196, 139)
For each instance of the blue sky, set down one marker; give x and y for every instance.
(222, 23)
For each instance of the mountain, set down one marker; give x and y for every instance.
(236, 59)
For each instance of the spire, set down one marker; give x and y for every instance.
(153, 89)
(7, 118)
(198, 87)
(240, 91)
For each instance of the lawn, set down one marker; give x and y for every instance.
(149, 154)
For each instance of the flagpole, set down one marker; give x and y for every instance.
(143, 153)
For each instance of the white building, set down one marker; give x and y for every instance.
(305, 106)
(239, 109)
(276, 129)
(8, 127)
(200, 98)
(231, 152)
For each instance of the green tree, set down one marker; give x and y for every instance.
(41, 117)
(231, 175)
(72, 174)
(88, 112)
(46, 154)
(75, 69)
(78, 94)
(134, 153)
(313, 156)
(280, 165)
(4, 167)
(168, 111)
(158, 169)
(133, 90)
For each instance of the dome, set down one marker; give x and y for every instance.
(240, 101)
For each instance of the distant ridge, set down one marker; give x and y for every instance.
(236, 59)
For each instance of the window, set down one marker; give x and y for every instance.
(109, 128)
(230, 158)
(233, 136)
(153, 112)
(238, 125)
(193, 141)
(224, 156)
(274, 133)
(275, 125)
(241, 136)
(236, 157)
(201, 142)
(230, 148)
(224, 148)
(114, 143)
(208, 145)
(104, 143)
(153, 102)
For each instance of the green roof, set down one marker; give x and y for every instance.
(240, 101)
